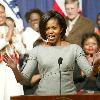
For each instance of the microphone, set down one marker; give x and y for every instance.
(60, 62)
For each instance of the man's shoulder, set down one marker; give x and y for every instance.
(82, 19)
(85, 19)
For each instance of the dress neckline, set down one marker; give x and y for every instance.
(57, 46)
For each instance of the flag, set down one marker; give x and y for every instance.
(12, 10)
(59, 6)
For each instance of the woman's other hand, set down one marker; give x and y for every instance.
(10, 61)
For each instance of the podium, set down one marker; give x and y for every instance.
(67, 97)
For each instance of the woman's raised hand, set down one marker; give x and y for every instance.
(10, 61)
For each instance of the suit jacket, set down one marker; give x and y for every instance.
(81, 26)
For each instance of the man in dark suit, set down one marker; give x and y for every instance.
(77, 24)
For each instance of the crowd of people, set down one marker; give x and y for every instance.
(8, 86)
(54, 55)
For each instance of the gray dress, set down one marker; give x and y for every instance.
(46, 59)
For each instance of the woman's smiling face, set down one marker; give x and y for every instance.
(2, 15)
(90, 45)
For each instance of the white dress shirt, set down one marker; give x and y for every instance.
(70, 25)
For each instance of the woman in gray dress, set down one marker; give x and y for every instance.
(55, 59)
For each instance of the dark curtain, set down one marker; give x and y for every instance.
(26, 5)
(90, 8)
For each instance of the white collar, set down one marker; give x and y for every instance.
(74, 20)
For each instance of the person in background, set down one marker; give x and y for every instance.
(31, 33)
(56, 69)
(91, 46)
(8, 85)
(97, 29)
(77, 23)
(33, 17)
(16, 38)
(31, 37)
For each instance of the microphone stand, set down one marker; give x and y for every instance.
(60, 79)
(60, 62)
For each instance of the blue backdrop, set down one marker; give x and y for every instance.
(26, 5)
(90, 7)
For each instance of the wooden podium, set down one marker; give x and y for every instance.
(67, 97)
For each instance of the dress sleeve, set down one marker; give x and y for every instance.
(31, 65)
(83, 62)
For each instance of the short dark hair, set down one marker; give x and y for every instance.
(46, 17)
(36, 10)
(90, 35)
